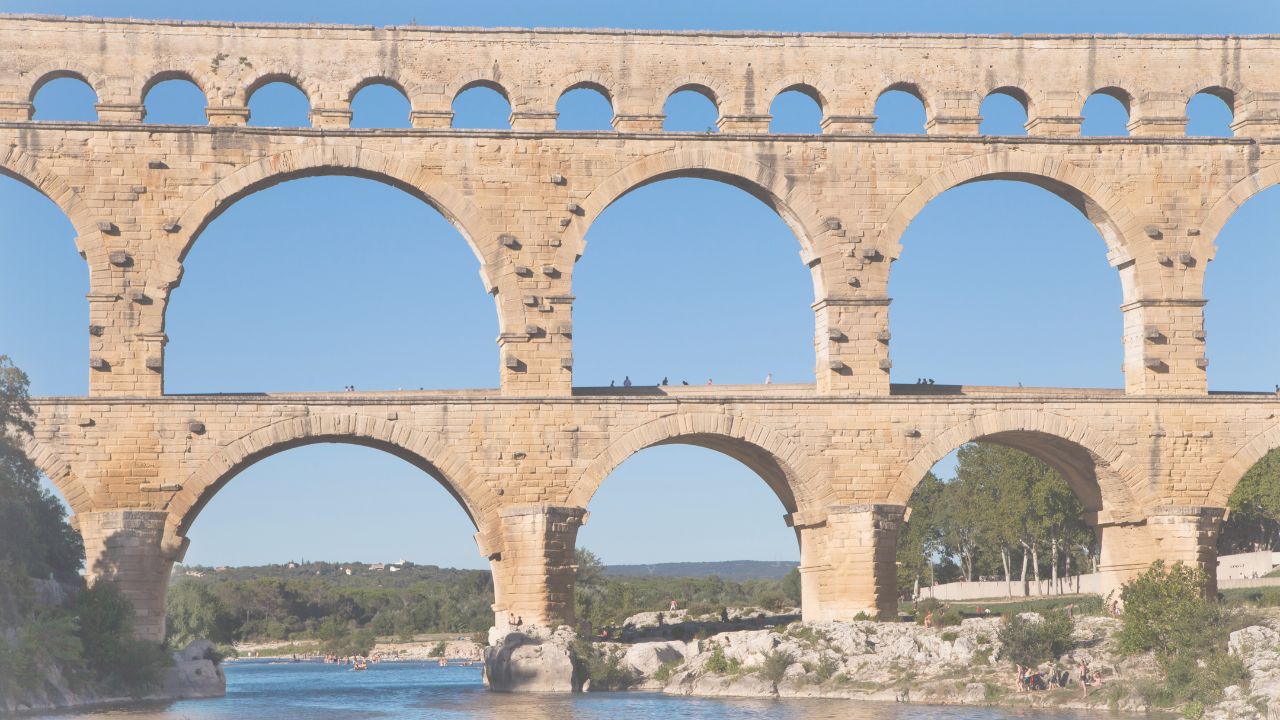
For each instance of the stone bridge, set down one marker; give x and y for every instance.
(1154, 462)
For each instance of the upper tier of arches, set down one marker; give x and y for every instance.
(1051, 77)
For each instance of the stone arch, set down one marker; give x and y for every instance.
(599, 82)
(1224, 483)
(279, 73)
(201, 80)
(430, 454)
(911, 87)
(1098, 202)
(770, 187)
(1017, 92)
(416, 180)
(802, 83)
(1240, 193)
(1102, 475)
(58, 470)
(378, 78)
(46, 72)
(90, 243)
(491, 79)
(780, 461)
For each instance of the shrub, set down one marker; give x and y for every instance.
(1166, 612)
(1031, 642)
(666, 670)
(604, 668)
(116, 659)
(775, 665)
(437, 650)
(826, 667)
(950, 636)
(721, 665)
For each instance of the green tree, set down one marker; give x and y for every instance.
(195, 613)
(920, 541)
(1254, 522)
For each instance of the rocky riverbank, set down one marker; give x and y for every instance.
(194, 674)
(878, 661)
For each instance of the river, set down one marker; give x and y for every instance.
(258, 690)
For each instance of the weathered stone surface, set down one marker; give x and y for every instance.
(194, 674)
(1153, 464)
(533, 661)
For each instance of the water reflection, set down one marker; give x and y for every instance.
(414, 691)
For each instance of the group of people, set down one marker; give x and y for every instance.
(1031, 679)
(626, 381)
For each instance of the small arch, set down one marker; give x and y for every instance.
(901, 110)
(1210, 113)
(797, 109)
(64, 96)
(1005, 111)
(379, 103)
(1233, 470)
(278, 101)
(174, 98)
(1106, 113)
(691, 107)
(584, 106)
(482, 105)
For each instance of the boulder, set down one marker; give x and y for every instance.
(646, 658)
(533, 661)
(194, 674)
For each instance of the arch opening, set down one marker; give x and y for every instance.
(682, 226)
(1014, 328)
(286, 554)
(43, 284)
(1106, 113)
(279, 102)
(482, 106)
(679, 479)
(1239, 286)
(1251, 531)
(1004, 112)
(66, 97)
(691, 108)
(379, 104)
(383, 327)
(174, 99)
(900, 110)
(1010, 514)
(1210, 113)
(585, 106)
(797, 109)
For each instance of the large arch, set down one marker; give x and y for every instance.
(770, 187)
(429, 454)
(1098, 202)
(89, 241)
(782, 463)
(58, 470)
(1102, 475)
(372, 165)
(1240, 193)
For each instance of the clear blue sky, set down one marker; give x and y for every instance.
(331, 255)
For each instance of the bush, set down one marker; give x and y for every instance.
(666, 670)
(826, 667)
(950, 636)
(437, 650)
(604, 668)
(775, 665)
(721, 665)
(116, 659)
(1031, 642)
(1166, 611)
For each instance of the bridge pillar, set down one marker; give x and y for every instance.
(1159, 114)
(852, 345)
(1125, 549)
(127, 548)
(123, 359)
(535, 571)
(859, 575)
(1188, 534)
(1257, 114)
(1164, 345)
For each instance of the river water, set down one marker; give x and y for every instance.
(418, 691)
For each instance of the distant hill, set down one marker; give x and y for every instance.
(735, 570)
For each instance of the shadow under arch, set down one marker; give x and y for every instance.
(1102, 475)
(351, 162)
(1096, 201)
(431, 455)
(769, 187)
(779, 461)
(16, 164)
